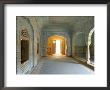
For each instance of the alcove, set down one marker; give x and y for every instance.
(24, 50)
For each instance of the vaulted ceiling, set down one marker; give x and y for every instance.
(75, 23)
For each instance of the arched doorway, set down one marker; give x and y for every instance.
(56, 45)
(44, 42)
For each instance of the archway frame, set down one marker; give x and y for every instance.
(46, 35)
(65, 43)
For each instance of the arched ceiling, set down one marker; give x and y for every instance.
(68, 19)
(75, 23)
(70, 22)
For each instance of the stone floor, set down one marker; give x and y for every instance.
(60, 65)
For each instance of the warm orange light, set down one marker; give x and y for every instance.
(57, 45)
(54, 41)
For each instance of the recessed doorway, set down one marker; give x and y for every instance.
(56, 45)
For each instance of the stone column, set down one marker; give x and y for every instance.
(88, 44)
(88, 52)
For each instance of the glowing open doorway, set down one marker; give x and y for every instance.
(58, 47)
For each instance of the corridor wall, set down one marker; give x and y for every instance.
(33, 26)
(23, 24)
(80, 37)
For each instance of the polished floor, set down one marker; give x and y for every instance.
(60, 65)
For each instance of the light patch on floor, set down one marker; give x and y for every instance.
(60, 65)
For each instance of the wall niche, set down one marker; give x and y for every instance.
(24, 50)
(24, 46)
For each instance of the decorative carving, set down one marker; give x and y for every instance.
(24, 34)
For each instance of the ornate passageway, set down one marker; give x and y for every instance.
(55, 44)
